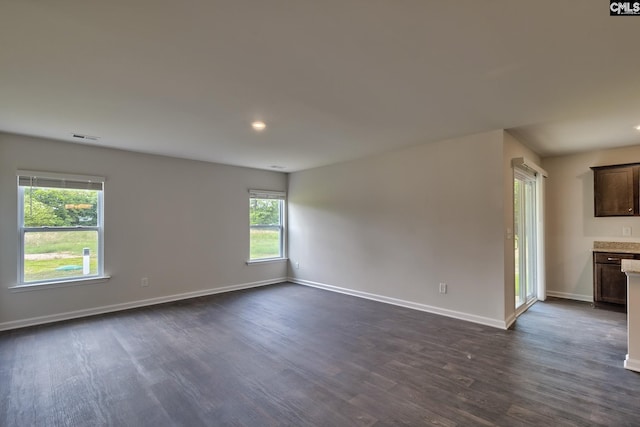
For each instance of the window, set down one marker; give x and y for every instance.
(266, 223)
(61, 227)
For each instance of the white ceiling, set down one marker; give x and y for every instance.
(333, 79)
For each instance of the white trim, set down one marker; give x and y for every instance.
(541, 282)
(565, 295)
(283, 223)
(38, 286)
(99, 228)
(407, 304)
(265, 260)
(631, 364)
(134, 304)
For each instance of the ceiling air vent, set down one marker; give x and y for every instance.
(87, 137)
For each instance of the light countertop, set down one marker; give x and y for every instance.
(630, 266)
(619, 247)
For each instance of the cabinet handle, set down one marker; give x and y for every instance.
(613, 259)
(630, 209)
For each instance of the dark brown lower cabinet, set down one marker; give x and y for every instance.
(609, 282)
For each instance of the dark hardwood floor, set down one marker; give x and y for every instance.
(298, 356)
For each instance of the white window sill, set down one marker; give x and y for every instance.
(266, 261)
(25, 287)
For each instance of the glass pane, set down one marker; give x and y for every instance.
(525, 240)
(58, 207)
(530, 218)
(265, 219)
(60, 254)
(517, 236)
(264, 211)
(265, 242)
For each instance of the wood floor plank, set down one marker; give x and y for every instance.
(293, 355)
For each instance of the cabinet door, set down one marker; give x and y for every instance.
(614, 191)
(611, 284)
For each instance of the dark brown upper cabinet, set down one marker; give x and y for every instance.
(615, 190)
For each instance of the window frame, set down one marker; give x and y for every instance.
(22, 230)
(281, 196)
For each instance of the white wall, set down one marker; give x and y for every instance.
(512, 149)
(397, 224)
(183, 224)
(393, 225)
(571, 226)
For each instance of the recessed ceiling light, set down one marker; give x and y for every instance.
(637, 127)
(258, 125)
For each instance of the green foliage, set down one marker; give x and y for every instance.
(38, 214)
(61, 242)
(264, 212)
(54, 207)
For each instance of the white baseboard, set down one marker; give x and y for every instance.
(403, 303)
(632, 364)
(577, 297)
(133, 304)
(510, 320)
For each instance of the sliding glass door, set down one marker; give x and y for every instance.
(525, 236)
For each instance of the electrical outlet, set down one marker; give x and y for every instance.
(297, 265)
(144, 282)
(626, 231)
(443, 288)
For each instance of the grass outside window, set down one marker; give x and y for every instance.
(59, 254)
(265, 244)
